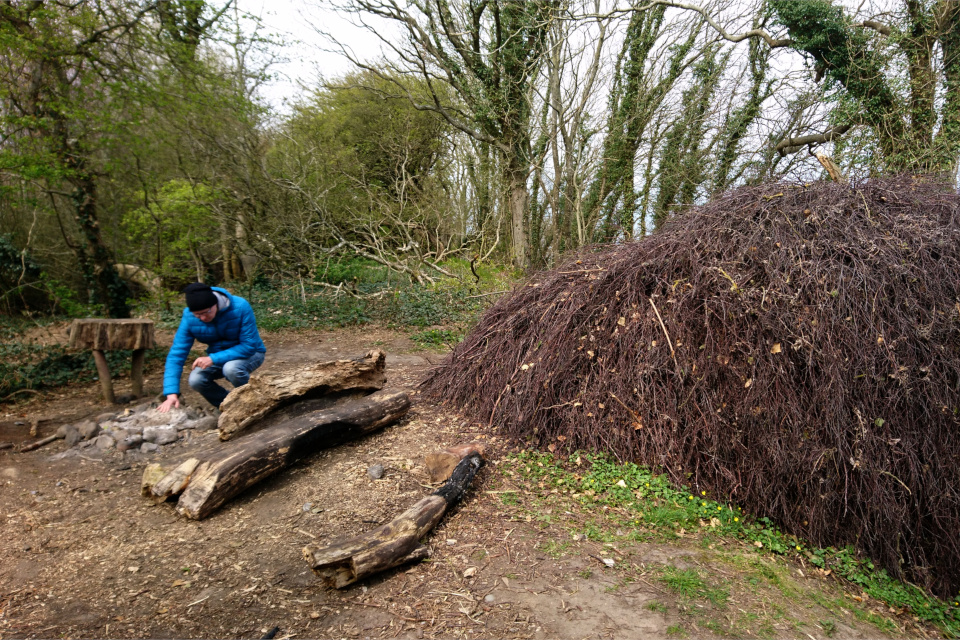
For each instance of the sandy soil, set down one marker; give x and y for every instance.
(84, 555)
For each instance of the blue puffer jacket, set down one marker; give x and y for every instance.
(231, 335)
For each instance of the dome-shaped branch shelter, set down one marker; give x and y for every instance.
(793, 348)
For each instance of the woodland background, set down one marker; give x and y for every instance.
(138, 152)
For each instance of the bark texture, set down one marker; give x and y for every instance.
(208, 479)
(105, 335)
(394, 543)
(268, 392)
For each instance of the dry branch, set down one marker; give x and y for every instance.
(39, 443)
(207, 480)
(394, 543)
(269, 391)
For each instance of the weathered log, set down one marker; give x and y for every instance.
(207, 480)
(394, 543)
(99, 335)
(268, 392)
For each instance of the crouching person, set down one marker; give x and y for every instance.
(225, 323)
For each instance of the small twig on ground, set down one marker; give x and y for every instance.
(483, 295)
(7, 397)
(39, 443)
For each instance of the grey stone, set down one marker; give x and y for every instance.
(104, 442)
(148, 447)
(489, 599)
(160, 435)
(73, 437)
(132, 441)
(375, 471)
(207, 423)
(104, 417)
(192, 413)
(88, 429)
(307, 505)
(64, 430)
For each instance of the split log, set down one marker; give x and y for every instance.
(394, 543)
(207, 480)
(268, 392)
(6, 445)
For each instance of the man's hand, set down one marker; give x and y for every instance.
(203, 362)
(172, 402)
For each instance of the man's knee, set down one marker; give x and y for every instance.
(197, 379)
(236, 372)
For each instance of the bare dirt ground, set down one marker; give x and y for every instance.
(84, 555)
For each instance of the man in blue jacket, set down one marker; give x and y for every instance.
(226, 324)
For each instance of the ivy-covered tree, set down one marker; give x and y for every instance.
(901, 76)
(488, 51)
(895, 75)
(639, 90)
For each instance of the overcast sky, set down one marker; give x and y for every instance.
(295, 23)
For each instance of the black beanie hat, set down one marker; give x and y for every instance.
(199, 296)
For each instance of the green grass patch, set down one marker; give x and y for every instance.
(650, 507)
(438, 338)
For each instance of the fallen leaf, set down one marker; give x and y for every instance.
(621, 483)
(524, 367)
(469, 572)
(758, 544)
(622, 321)
(748, 383)
(609, 562)
(776, 348)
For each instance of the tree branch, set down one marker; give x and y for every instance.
(739, 37)
(792, 145)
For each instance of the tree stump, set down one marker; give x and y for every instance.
(99, 335)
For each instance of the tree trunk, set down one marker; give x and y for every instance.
(394, 543)
(518, 198)
(211, 478)
(269, 391)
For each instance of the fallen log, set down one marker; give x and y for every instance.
(268, 392)
(207, 480)
(394, 543)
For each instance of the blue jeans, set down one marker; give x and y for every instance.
(236, 371)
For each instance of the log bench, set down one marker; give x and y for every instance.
(100, 334)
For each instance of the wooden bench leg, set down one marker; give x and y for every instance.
(136, 372)
(106, 383)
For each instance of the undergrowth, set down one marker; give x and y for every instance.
(652, 508)
(357, 292)
(34, 366)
